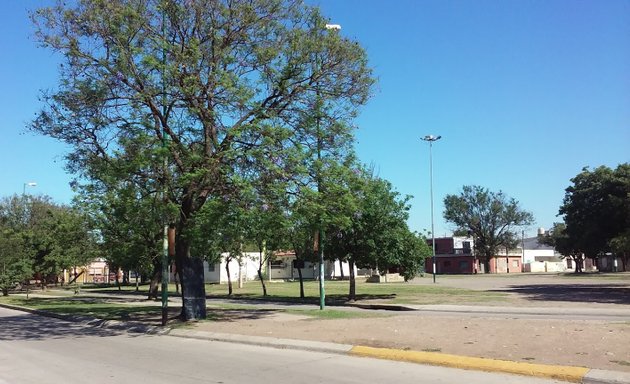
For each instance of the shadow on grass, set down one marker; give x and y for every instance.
(593, 293)
(332, 299)
(230, 315)
(34, 327)
(100, 308)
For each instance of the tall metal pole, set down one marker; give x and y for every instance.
(431, 139)
(164, 194)
(320, 233)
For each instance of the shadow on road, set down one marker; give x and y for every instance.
(593, 293)
(33, 327)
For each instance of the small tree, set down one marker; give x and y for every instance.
(558, 238)
(489, 216)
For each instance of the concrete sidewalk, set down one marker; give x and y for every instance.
(558, 372)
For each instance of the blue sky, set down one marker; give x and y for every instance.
(523, 93)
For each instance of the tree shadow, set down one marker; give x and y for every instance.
(333, 299)
(34, 327)
(593, 293)
(231, 315)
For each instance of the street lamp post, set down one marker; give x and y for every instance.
(320, 232)
(430, 139)
(29, 184)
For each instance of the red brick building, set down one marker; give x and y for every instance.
(455, 255)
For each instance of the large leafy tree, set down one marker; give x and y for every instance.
(596, 209)
(16, 264)
(42, 237)
(491, 217)
(201, 86)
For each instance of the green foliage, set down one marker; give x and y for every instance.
(197, 99)
(375, 233)
(596, 209)
(489, 216)
(39, 236)
(128, 226)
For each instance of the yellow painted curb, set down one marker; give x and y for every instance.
(559, 372)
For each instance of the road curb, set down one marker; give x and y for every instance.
(558, 372)
(314, 346)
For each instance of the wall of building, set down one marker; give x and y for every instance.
(503, 264)
(456, 264)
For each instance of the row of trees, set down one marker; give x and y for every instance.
(230, 121)
(39, 238)
(596, 211)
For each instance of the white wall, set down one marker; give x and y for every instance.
(248, 269)
(531, 254)
(544, 266)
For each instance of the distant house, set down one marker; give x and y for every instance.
(539, 257)
(456, 255)
(453, 255)
(283, 266)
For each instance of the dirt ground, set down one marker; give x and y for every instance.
(601, 344)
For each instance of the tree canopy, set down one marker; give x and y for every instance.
(491, 217)
(43, 238)
(192, 97)
(596, 210)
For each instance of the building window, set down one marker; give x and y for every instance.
(447, 263)
(278, 264)
(515, 263)
(211, 267)
(466, 246)
(463, 265)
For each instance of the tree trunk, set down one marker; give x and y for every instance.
(175, 276)
(155, 282)
(76, 276)
(341, 269)
(353, 289)
(261, 260)
(301, 283)
(227, 270)
(192, 283)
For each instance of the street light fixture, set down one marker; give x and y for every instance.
(29, 184)
(431, 139)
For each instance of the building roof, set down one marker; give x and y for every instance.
(531, 243)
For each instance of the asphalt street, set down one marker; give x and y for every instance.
(35, 349)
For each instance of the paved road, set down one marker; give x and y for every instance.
(36, 349)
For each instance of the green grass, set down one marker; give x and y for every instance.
(337, 291)
(328, 313)
(125, 307)
(85, 306)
